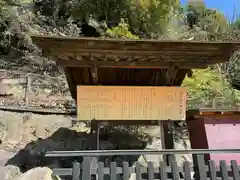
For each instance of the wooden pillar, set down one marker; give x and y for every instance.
(167, 139)
(94, 123)
(94, 135)
(94, 145)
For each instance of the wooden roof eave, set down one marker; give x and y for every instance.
(198, 113)
(87, 52)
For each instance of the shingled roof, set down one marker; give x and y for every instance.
(88, 61)
(117, 52)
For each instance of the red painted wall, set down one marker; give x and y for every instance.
(216, 132)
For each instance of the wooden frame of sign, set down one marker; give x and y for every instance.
(131, 103)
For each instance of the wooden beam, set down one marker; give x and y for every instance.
(137, 52)
(131, 122)
(127, 64)
(140, 56)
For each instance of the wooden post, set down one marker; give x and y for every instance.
(167, 139)
(163, 140)
(170, 140)
(94, 134)
(28, 88)
(94, 143)
(26, 91)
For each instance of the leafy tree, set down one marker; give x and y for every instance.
(121, 31)
(3, 5)
(232, 71)
(150, 18)
(209, 20)
(207, 85)
(232, 68)
(146, 18)
(236, 24)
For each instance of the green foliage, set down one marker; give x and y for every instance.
(215, 22)
(121, 31)
(99, 9)
(236, 24)
(232, 70)
(206, 85)
(209, 20)
(3, 9)
(147, 18)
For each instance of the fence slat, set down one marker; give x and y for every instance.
(187, 170)
(223, 170)
(113, 171)
(235, 170)
(100, 171)
(212, 170)
(76, 171)
(201, 170)
(125, 170)
(163, 171)
(150, 171)
(175, 171)
(138, 171)
(86, 169)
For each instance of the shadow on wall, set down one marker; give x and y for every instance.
(65, 139)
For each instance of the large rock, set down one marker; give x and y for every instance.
(43, 126)
(9, 172)
(153, 131)
(10, 127)
(143, 160)
(5, 156)
(183, 144)
(39, 173)
(155, 158)
(3, 130)
(16, 131)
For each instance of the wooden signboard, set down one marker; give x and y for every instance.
(131, 103)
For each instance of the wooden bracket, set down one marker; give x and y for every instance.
(94, 75)
(171, 74)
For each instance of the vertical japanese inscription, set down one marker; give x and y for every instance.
(131, 103)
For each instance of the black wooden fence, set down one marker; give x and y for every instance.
(202, 170)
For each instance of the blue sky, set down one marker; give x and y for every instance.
(225, 6)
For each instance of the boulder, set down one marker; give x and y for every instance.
(143, 160)
(39, 173)
(9, 172)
